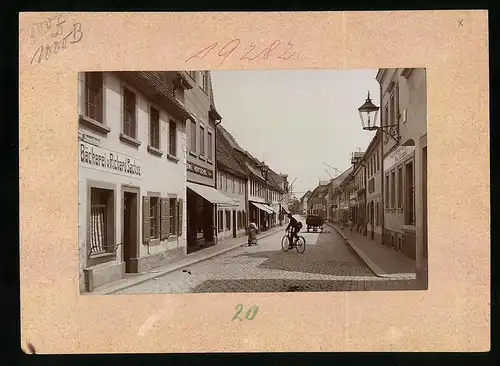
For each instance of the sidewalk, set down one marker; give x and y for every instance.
(384, 262)
(221, 247)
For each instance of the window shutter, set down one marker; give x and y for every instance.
(181, 207)
(175, 230)
(146, 223)
(165, 222)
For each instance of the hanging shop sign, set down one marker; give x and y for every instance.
(98, 158)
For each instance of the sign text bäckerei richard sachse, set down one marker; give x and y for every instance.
(102, 159)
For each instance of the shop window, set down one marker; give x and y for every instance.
(94, 96)
(393, 189)
(154, 128)
(400, 187)
(129, 117)
(101, 221)
(228, 220)
(220, 221)
(172, 138)
(387, 191)
(409, 207)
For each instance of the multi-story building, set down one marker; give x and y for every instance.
(339, 205)
(359, 200)
(202, 196)
(372, 161)
(232, 181)
(318, 201)
(404, 106)
(303, 202)
(131, 183)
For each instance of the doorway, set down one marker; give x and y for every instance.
(130, 229)
(234, 224)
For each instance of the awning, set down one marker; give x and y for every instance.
(275, 210)
(211, 194)
(262, 207)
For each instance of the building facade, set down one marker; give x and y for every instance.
(202, 196)
(131, 183)
(359, 192)
(404, 105)
(372, 161)
(232, 181)
(303, 202)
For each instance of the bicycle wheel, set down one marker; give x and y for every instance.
(285, 243)
(300, 244)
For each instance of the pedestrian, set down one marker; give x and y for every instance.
(252, 234)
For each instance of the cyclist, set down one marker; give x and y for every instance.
(295, 227)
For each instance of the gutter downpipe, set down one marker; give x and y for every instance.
(216, 216)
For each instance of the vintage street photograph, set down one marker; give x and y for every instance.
(252, 181)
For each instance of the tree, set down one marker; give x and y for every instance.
(294, 205)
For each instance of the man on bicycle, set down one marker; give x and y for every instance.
(295, 227)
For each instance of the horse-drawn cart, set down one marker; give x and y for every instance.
(314, 223)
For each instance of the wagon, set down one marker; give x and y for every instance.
(314, 222)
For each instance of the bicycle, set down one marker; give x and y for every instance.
(299, 244)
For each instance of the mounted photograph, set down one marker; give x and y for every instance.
(221, 181)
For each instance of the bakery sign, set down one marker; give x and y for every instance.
(97, 158)
(399, 154)
(196, 169)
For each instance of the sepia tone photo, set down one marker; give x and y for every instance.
(252, 181)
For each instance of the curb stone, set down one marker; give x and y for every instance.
(174, 268)
(373, 267)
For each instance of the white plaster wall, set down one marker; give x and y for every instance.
(413, 98)
(158, 174)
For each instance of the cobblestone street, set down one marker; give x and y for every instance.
(326, 265)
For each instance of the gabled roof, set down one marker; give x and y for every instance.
(226, 158)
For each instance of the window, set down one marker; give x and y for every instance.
(101, 203)
(233, 184)
(219, 180)
(225, 181)
(154, 128)
(386, 115)
(209, 145)
(202, 141)
(387, 191)
(377, 162)
(129, 122)
(172, 138)
(393, 189)
(204, 80)
(220, 220)
(172, 207)
(397, 102)
(94, 93)
(376, 213)
(371, 185)
(193, 136)
(400, 187)
(236, 186)
(409, 188)
(192, 74)
(228, 220)
(393, 111)
(154, 217)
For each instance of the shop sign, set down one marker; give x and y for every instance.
(196, 169)
(399, 154)
(98, 158)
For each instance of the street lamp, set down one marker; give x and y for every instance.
(368, 113)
